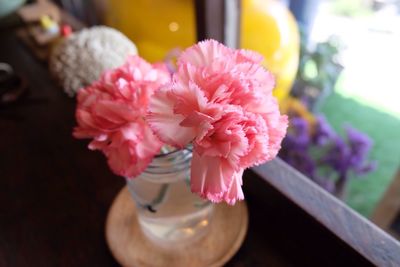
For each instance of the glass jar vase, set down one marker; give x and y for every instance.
(168, 212)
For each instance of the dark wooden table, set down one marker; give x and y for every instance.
(55, 195)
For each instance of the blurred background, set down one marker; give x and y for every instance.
(366, 92)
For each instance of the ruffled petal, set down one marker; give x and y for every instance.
(131, 150)
(276, 134)
(124, 163)
(120, 158)
(97, 145)
(210, 176)
(204, 53)
(235, 192)
(244, 55)
(187, 98)
(149, 146)
(165, 123)
(114, 111)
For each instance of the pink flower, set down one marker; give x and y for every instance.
(220, 100)
(111, 111)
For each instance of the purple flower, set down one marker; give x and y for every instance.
(337, 156)
(323, 131)
(324, 156)
(360, 144)
(295, 147)
(348, 156)
(298, 135)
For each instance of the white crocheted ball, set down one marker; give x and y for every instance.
(79, 60)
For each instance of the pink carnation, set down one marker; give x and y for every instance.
(111, 111)
(221, 100)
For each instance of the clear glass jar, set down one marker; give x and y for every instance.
(168, 212)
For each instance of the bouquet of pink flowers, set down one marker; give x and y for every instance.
(219, 100)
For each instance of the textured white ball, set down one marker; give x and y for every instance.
(79, 60)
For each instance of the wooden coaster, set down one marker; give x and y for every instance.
(131, 248)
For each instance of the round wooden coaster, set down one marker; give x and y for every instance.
(131, 248)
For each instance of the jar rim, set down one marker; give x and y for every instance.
(171, 162)
(168, 153)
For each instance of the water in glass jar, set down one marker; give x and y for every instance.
(170, 212)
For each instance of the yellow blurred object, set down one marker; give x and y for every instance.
(155, 26)
(46, 22)
(158, 26)
(270, 29)
(294, 107)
